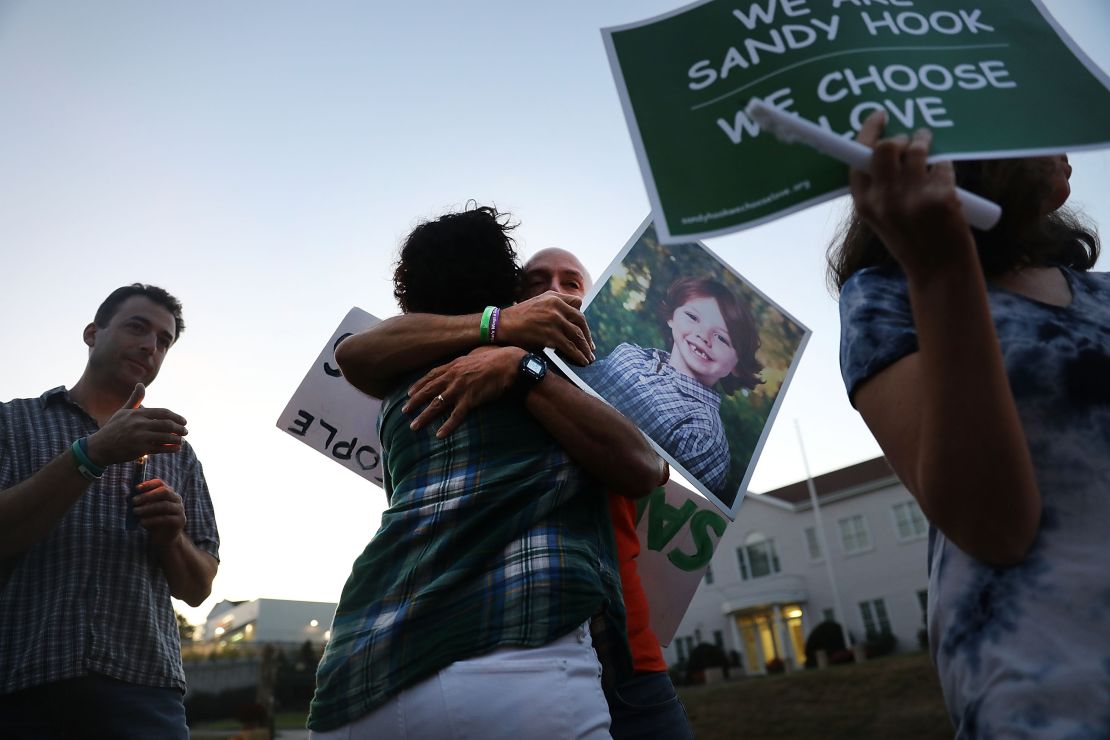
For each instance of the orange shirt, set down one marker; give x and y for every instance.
(647, 657)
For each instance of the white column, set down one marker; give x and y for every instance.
(738, 641)
(760, 658)
(780, 632)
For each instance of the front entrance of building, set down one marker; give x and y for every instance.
(772, 636)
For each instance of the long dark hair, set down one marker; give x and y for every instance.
(1022, 238)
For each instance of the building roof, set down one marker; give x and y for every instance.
(859, 478)
(224, 606)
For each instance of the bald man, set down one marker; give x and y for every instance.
(644, 704)
(556, 270)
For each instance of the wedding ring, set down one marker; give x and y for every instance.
(441, 399)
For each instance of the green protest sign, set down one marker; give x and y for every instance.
(679, 531)
(990, 77)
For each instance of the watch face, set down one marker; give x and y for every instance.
(534, 365)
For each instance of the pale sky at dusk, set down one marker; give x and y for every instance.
(262, 160)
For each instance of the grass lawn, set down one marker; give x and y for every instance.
(892, 697)
(283, 721)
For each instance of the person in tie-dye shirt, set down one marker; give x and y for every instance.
(981, 363)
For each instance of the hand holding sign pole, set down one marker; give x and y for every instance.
(790, 127)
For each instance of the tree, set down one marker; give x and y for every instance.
(188, 631)
(307, 658)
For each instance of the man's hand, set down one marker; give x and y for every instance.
(548, 320)
(463, 384)
(133, 432)
(160, 511)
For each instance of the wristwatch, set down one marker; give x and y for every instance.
(532, 369)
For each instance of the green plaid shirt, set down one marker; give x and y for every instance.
(492, 538)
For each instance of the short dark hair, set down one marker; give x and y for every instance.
(458, 264)
(115, 299)
(739, 321)
(1022, 237)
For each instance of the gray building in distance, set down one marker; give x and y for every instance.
(277, 622)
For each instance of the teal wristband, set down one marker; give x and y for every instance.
(486, 316)
(86, 467)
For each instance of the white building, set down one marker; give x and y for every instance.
(768, 583)
(268, 621)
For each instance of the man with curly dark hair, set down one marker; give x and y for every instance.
(494, 566)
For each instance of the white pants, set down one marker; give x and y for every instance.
(551, 692)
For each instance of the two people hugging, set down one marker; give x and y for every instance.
(674, 395)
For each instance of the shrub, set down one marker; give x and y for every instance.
(775, 665)
(880, 643)
(204, 706)
(827, 636)
(252, 714)
(705, 656)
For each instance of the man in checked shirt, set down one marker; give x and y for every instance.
(93, 543)
(644, 705)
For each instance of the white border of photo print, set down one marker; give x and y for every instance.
(606, 337)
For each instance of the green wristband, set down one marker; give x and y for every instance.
(486, 315)
(86, 467)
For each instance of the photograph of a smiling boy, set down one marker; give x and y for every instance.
(693, 355)
(674, 392)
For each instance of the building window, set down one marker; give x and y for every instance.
(875, 619)
(827, 615)
(719, 639)
(813, 545)
(854, 535)
(909, 521)
(709, 575)
(923, 602)
(757, 557)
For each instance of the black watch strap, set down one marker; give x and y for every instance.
(532, 369)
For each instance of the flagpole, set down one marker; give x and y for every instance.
(838, 610)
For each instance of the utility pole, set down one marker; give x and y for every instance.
(838, 610)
